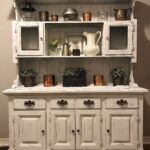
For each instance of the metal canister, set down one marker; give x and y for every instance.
(43, 15)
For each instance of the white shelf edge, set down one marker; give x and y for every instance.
(128, 56)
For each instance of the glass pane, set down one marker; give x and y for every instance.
(118, 38)
(30, 38)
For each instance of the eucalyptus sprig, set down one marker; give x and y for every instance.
(75, 71)
(53, 44)
(28, 73)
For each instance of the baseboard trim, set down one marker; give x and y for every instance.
(4, 142)
(146, 140)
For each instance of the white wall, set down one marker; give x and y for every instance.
(8, 69)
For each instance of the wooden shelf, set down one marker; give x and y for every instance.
(78, 1)
(75, 57)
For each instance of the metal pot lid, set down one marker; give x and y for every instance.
(27, 7)
(70, 11)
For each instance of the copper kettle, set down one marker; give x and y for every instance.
(123, 14)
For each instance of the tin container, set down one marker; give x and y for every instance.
(98, 80)
(43, 15)
(48, 80)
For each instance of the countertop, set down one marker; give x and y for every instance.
(40, 89)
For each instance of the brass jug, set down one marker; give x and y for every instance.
(66, 48)
(122, 14)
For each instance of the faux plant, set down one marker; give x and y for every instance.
(74, 77)
(118, 72)
(53, 44)
(27, 77)
(28, 73)
(75, 72)
(118, 75)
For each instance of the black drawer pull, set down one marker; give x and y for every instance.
(29, 103)
(62, 103)
(122, 102)
(88, 102)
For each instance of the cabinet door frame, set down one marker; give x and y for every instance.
(110, 127)
(130, 37)
(18, 128)
(97, 138)
(70, 125)
(28, 52)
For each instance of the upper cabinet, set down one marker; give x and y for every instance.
(103, 28)
(119, 37)
(29, 38)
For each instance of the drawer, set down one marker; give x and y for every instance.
(63, 103)
(122, 102)
(29, 103)
(88, 103)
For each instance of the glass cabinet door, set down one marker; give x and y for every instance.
(119, 38)
(30, 38)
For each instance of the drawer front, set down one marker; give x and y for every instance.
(63, 103)
(29, 103)
(122, 102)
(88, 103)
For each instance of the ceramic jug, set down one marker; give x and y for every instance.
(90, 46)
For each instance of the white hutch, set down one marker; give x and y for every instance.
(75, 118)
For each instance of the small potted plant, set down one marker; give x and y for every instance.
(53, 46)
(74, 77)
(118, 74)
(27, 77)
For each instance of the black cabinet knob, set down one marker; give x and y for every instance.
(78, 130)
(108, 131)
(72, 131)
(43, 131)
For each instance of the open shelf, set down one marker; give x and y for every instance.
(75, 57)
(78, 1)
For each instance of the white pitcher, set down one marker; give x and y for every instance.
(90, 47)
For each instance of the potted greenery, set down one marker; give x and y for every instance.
(27, 77)
(74, 77)
(118, 74)
(53, 47)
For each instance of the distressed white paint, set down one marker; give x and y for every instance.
(49, 126)
(61, 124)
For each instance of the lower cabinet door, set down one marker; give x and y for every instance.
(63, 129)
(121, 129)
(29, 130)
(88, 133)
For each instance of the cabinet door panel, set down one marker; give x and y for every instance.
(88, 129)
(29, 38)
(63, 127)
(121, 129)
(30, 130)
(119, 38)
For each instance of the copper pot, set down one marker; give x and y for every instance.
(87, 16)
(122, 14)
(98, 80)
(49, 80)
